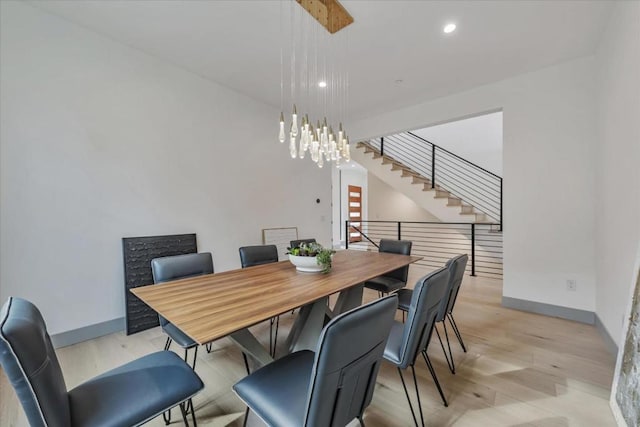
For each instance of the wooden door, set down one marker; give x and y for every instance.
(355, 212)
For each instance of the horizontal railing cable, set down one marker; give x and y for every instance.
(437, 242)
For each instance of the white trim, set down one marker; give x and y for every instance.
(568, 313)
(86, 333)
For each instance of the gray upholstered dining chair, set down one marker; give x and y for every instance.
(395, 279)
(176, 267)
(456, 267)
(257, 255)
(297, 243)
(328, 387)
(409, 339)
(129, 395)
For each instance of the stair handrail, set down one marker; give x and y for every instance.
(462, 178)
(361, 233)
(454, 155)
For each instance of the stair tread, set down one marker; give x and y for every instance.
(439, 192)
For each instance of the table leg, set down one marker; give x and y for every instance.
(307, 327)
(251, 347)
(349, 299)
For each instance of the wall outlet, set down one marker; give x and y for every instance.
(571, 285)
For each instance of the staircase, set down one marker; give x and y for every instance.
(451, 188)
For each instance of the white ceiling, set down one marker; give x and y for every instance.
(237, 43)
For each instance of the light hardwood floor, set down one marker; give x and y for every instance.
(521, 369)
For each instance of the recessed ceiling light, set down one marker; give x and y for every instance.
(322, 84)
(449, 28)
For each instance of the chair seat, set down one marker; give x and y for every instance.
(392, 352)
(135, 392)
(384, 284)
(278, 392)
(404, 299)
(178, 336)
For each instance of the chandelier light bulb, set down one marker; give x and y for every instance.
(307, 134)
(281, 136)
(294, 122)
(313, 149)
(292, 146)
(347, 156)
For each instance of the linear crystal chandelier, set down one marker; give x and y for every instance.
(319, 81)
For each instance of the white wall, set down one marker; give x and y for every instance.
(100, 141)
(618, 171)
(549, 141)
(387, 204)
(477, 139)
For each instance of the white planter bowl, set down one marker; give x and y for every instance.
(306, 264)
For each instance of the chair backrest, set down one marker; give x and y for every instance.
(29, 361)
(402, 247)
(177, 267)
(258, 255)
(457, 266)
(297, 243)
(347, 362)
(423, 310)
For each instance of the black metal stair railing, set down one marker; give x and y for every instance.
(437, 242)
(473, 184)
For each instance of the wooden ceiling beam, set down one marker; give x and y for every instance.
(329, 13)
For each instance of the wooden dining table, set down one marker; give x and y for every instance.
(226, 304)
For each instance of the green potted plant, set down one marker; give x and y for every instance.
(311, 258)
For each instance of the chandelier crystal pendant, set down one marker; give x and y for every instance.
(319, 82)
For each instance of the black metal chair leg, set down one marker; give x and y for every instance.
(167, 344)
(184, 414)
(246, 364)
(457, 331)
(271, 336)
(166, 416)
(434, 376)
(209, 347)
(406, 393)
(193, 413)
(450, 364)
(195, 355)
(361, 421)
(246, 416)
(275, 338)
(415, 383)
(446, 335)
(189, 406)
(403, 316)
